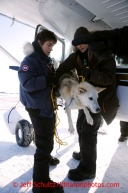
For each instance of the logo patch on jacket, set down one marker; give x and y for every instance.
(25, 68)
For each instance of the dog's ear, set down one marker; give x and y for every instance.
(99, 89)
(81, 90)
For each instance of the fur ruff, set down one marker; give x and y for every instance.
(28, 48)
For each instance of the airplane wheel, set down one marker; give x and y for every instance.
(24, 133)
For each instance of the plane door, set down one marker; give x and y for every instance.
(122, 89)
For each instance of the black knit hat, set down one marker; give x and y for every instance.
(81, 31)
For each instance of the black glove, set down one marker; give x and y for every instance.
(52, 80)
(86, 72)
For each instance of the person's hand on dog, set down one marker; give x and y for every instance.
(52, 80)
(86, 72)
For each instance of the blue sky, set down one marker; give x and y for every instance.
(12, 39)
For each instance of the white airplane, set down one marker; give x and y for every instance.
(64, 17)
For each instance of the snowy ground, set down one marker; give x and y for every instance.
(16, 162)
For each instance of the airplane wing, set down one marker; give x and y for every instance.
(14, 68)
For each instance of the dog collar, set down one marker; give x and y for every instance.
(69, 103)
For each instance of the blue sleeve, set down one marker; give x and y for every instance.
(29, 79)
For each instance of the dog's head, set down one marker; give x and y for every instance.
(88, 95)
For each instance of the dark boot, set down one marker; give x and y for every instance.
(122, 138)
(54, 161)
(76, 155)
(79, 175)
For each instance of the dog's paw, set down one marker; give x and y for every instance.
(71, 130)
(90, 120)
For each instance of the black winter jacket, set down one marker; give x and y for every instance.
(102, 75)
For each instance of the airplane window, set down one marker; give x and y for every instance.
(57, 51)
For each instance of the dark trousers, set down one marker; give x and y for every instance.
(43, 128)
(124, 128)
(88, 141)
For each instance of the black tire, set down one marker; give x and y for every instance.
(24, 133)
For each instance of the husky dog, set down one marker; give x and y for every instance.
(79, 96)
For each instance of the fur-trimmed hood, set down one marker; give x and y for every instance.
(28, 48)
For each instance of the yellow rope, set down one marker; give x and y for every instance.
(57, 118)
(53, 98)
(83, 78)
